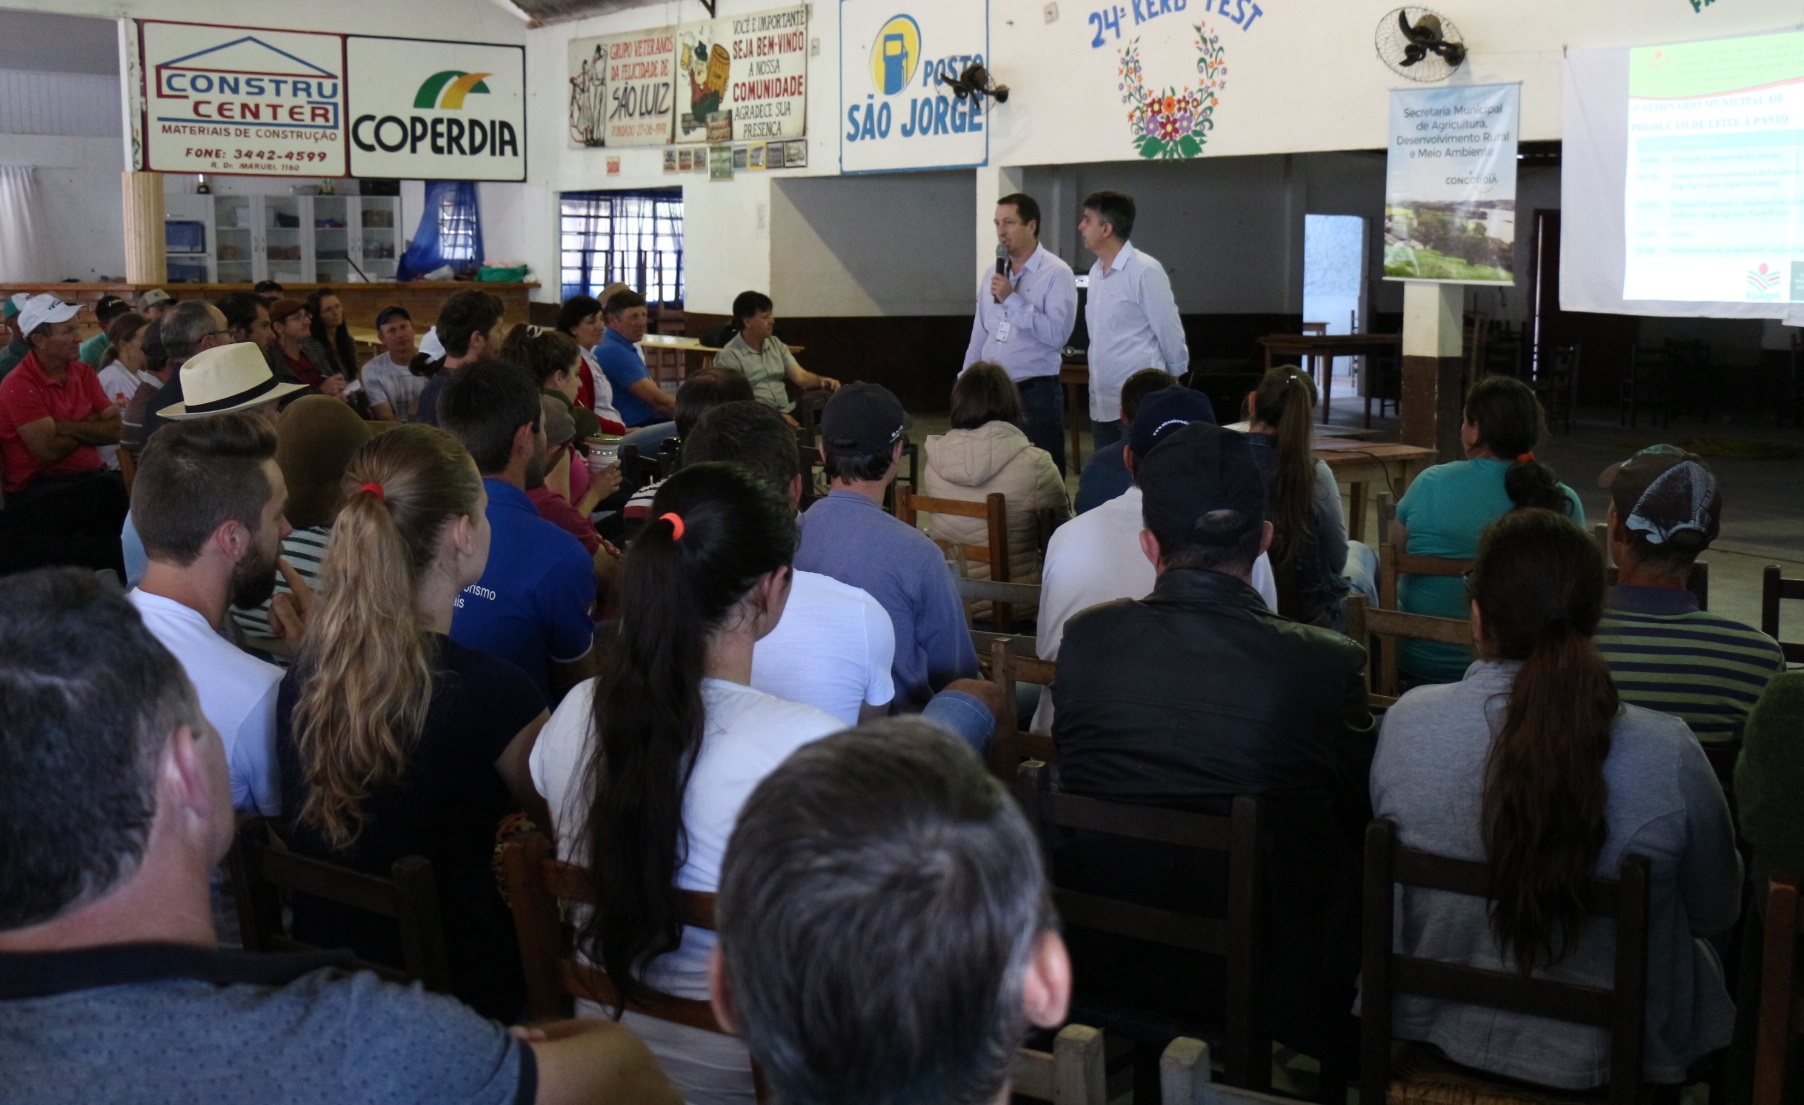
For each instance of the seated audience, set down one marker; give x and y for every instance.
(393, 389)
(186, 330)
(986, 451)
(112, 986)
(580, 319)
(125, 370)
(1106, 474)
(885, 930)
(555, 361)
(330, 330)
(642, 404)
(700, 393)
(835, 644)
(208, 506)
(1096, 557)
(247, 317)
(470, 327)
(766, 362)
(315, 438)
(532, 605)
(645, 766)
(1233, 699)
(394, 739)
(298, 353)
(268, 291)
(1533, 764)
(15, 348)
(1311, 556)
(1447, 507)
(849, 536)
(107, 309)
(155, 303)
(1663, 652)
(548, 484)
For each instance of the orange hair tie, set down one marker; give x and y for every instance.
(676, 525)
(374, 489)
(1526, 458)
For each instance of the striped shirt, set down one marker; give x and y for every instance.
(303, 549)
(1667, 655)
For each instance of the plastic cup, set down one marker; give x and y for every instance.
(604, 452)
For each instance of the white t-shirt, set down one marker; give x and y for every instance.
(384, 381)
(1095, 558)
(604, 391)
(120, 384)
(831, 650)
(237, 695)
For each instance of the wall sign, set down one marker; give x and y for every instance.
(242, 100)
(423, 109)
(767, 83)
(896, 112)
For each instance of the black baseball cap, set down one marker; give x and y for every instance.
(109, 307)
(1199, 485)
(862, 420)
(1164, 411)
(387, 313)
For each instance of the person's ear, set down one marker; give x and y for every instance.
(463, 535)
(526, 439)
(187, 776)
(232, 539)
(1478, 623)
(1265, 536)
(720, 993)
(795, 491)
(1127, 458)
(1149, 547)
(1046, 989)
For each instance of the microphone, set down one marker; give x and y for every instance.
(1001, 264)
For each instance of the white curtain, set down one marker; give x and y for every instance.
(24, 244)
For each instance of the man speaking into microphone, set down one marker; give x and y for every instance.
(1026, 307)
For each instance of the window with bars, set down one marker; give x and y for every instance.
(635, 238)
(457, 227)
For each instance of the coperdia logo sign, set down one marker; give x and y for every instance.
(436, 110)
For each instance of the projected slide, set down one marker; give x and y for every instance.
(1714, 190)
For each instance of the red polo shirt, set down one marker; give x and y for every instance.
(26, 396)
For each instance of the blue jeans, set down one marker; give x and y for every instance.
(1043, 401)
(1362, 570)
(649, 438)
(1105, 433)
(965, 717)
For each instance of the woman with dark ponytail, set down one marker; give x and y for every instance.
(646, 766)
(395, 740)
(1532, 764)
(1447, 507)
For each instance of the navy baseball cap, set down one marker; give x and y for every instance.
(1201, 482)
(862, 420)
(1166, 410)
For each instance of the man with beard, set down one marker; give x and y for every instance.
(532, 605)
(208, 504)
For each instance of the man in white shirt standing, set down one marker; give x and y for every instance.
(1024, 317)
(1131, 315)
(208, 504)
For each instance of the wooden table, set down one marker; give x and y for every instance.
(1357, 463)
(1321, 349)
(678, 343)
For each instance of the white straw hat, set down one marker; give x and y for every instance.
(227, 378)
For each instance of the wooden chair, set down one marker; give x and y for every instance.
(1555, 382)
(1384, 974)
(994, 511)
(1012, 662)
(1072, 1073)
(1781, 1009)
(1023, 595)
(1391, 626)
(263, 871)
(1185, 1079)
(1234, 938)
(1394, 562)
(1645, 385)
(1774, 589)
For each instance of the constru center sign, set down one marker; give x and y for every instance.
(262, 102)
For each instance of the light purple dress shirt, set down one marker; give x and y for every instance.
(1039, 316)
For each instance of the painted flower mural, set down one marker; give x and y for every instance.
(1173, 122)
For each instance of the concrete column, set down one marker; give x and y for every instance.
(993, 182)
(145, 259)
(1433, 317)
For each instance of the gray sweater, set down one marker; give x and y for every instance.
(1664, 803)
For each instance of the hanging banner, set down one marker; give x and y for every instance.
(241, 100)
(429, 110)
(898, 114)
(1450, 184)
(637, 70)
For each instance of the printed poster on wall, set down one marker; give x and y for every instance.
(897, 113)
(751, 69)
(638, 107)
(703, 66)
(588, 107)
(1450, 184)
(242, 100)
(427, 110)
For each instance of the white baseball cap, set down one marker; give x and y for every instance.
(42, 309)
(227, 378)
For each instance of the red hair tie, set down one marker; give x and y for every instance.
(676, 525)
(374, 489)
(1526, 458)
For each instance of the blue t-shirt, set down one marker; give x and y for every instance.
(531, 606)
(622, 364)
(1105, 477)
(1446, 510)
(850, 538)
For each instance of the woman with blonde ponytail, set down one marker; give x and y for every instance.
(1530, 763)
(395, 740)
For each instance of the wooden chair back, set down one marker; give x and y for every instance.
(1185, 1079)
(1023, 596)
(1391, 626)
(994, 552)
(1774, 589)
(1384, 973)
(1394, 562)
(1012, 661)
(1234, 938)
(263, 870)
(1781, 1009)
(1072, 1073)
